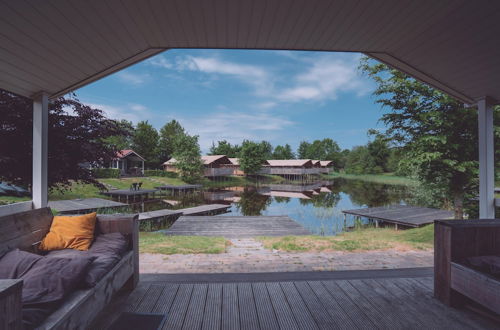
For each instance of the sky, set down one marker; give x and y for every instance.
(278, 96)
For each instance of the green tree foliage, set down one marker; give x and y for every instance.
(325, 149)
(252, 156)
(122, 141)
(145, 143)
(438, 133)
(225, 148)
(188, 155)
(168, 133)
(266, 149)
(359, 161)
(283, 152)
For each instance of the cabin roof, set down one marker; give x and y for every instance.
(127, 152)
(289, 162)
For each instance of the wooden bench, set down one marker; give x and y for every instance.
(456, 284)
(25, 230)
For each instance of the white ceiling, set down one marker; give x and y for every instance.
(59, 45)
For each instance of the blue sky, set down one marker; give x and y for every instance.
(279, 96)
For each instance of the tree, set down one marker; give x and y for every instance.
(122, 141)
(145, 143)
(168, 133)
(266, 149)
(303, 150)
(225, 148)
(251, 157)
(379, 151)
(437, 132)
(78, 134)
(188, 156)
(283, 152)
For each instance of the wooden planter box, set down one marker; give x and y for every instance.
(455, 283)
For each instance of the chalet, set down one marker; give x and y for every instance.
(289, 167)
(235, 165)
(128, 162)
(214, 166)
(326, 166)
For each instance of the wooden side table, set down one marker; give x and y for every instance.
(10, 304)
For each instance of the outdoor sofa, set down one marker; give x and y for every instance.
(22, 232)
(467, 263)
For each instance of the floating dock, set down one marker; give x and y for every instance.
(83, 205)
(237, 226)
(198, 210)
(179, 189)
(404, 215)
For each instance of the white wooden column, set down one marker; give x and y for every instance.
(486, 160)
(40, 150)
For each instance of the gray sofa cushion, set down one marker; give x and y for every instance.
(16, 263)
(106, 250)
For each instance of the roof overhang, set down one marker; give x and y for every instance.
(59, 46)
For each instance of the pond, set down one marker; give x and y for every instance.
(317, 206)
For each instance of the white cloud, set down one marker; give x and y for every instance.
(256, 76)
(130, 112)
(132, 78)
(326, 78)
(235, 127)
(161, 61)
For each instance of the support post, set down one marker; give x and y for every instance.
(40, 150)
(486, 160)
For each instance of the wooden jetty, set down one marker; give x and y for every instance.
(404, 215)
(236, 226)
(131, 195)
(180, 188)
(83, 205)
(209, 209)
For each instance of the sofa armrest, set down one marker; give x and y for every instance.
(128, 225)
(11, 304)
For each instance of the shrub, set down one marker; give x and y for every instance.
(160, 173)
(106, 173)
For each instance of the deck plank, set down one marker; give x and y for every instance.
(166, 299)
(213, 307)
(248, 311)
(318, 311)
(282, 310)
(150, 298)
(332, 306)
(176, 316)
(194, 314)
(302, 315)
(230, 313)
(265, 311)
(356, 314)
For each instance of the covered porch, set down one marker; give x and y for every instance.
(52, 48)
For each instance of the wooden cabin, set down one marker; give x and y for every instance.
(326, 166)
(213, 166)
(128, 162)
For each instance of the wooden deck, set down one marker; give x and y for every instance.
(159, 214)
(410, 216)
(379, 302)
(236, 226)
(85, 204)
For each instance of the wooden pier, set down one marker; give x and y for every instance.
(236, 226)
(209, 209)
(131, 195)
(179, 189)
(404, 215)
(83, 205)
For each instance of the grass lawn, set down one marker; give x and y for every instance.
(358, 240)
(385, 178)
(163, 244)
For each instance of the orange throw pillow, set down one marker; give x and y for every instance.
(70, 232)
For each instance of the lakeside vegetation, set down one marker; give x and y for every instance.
(163, 244)
(384, 178)
(362, 239)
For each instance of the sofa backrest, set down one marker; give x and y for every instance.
(24, 230)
